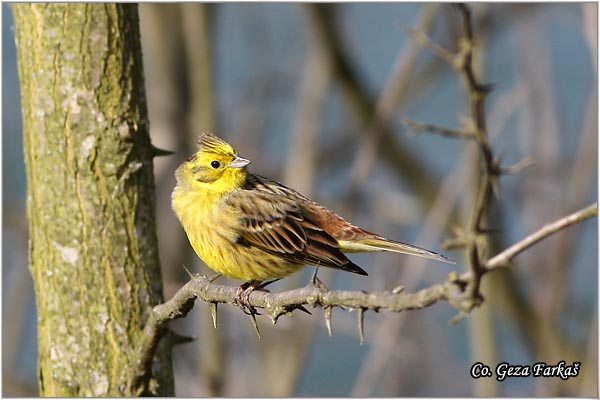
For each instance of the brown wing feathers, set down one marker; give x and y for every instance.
(279, 225)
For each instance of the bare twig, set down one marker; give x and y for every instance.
(582, 172)
(390, 147)
(507, 255)
(474, 236)
(590, 28)
(395, 90)
(476, 95)
(420, 37)
(195, 20)
(421, 127)
(519, 166)
(476, 131)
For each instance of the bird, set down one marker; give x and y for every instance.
(248, 227)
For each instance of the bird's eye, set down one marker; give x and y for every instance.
(215, 164)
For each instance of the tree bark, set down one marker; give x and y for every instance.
(90, 195)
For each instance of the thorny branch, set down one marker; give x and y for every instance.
(477, 94)
(473, 238)
(278, 304)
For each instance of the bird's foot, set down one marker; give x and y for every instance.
(242, 296)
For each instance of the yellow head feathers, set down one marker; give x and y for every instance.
(209, 143)
(216, 163)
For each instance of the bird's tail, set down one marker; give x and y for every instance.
(382, 244)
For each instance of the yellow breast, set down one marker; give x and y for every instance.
(210, 226)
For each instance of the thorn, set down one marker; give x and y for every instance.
(496, 188)
(176, 338)
(188, 272)
(422, 39)
(360, 314)
(248, 309)
(328, 320)
(398, 289)
(457, 230)
(457, 318)
(266, 283)
(519, 166)
(313, 279)
(316, 282)
(453, 276)
(254, 324)
(301, 308)
(214, 277)
(487, 88)
(213, 313)
(156, 152)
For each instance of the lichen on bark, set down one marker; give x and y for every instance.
(90, 194)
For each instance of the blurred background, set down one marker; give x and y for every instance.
(315, 96)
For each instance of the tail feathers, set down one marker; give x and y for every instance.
(348, 267)
(373, 244)
(351, 267)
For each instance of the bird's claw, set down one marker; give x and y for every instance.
(242, 296)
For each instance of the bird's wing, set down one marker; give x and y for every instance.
(273, 220)
(349, 238)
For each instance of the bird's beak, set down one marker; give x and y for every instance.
(239, 162)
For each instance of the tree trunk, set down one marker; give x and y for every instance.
(90, 195)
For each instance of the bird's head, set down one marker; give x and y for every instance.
(215, 167)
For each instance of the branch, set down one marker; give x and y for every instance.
(476, 95)
(422, 127)
(507, 255)
(397, 89)
(390, 146)
(424, 40)
(275, 305)
(476, 131)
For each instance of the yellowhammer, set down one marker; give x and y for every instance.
(249, 227)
